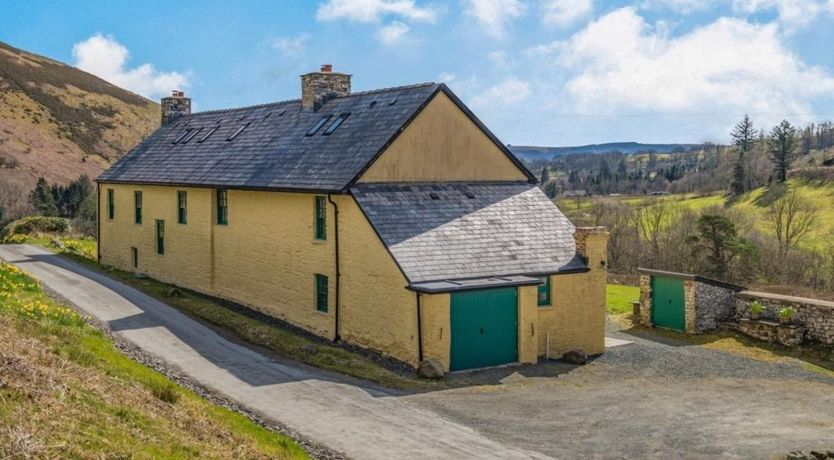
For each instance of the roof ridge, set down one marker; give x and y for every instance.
(287, 101)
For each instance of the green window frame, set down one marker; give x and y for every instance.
(134, 256)
(111, 204)
(182, 207)
(321, 293)
(137, 205)
(321, 218)
(160, 237)
(544, 291)
(222, 207)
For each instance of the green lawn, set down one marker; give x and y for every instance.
(620, 298)
(66, 391)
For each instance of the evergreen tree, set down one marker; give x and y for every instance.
(573, 177)
(43, 200)
(782, 145)
(545, 177)
(622, 169)
(744, 136)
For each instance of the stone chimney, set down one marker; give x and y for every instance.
(319, 87)
(592, 244)
(174, 106)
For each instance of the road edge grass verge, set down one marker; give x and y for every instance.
(68, 376)
(255, 328)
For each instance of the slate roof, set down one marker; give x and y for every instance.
(273, 152)
(455, 231)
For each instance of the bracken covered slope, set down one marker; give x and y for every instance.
(59, 122)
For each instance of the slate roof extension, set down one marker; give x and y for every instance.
(458, 231)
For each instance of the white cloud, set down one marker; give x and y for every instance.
(106, 58)
(623, 65)
(392, 33)
(509, 92)
(679, 6)
(374, 10)
(563, 13)
(291, 46)
(495, 15)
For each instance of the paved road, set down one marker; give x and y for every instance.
(360, 422)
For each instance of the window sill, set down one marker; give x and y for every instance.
(546, 307)
(322, 313)
(319, 241)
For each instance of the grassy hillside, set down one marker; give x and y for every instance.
(59, 122)
(753, 204)
(67, 392)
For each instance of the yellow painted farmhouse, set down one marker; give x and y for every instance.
(390, 219)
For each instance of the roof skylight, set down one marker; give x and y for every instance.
(393, 101)
(191, 135)
(236, 133)
(336, 123)
(206, 136)
(318, 125)
(182, 136)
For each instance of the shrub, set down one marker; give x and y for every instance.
(165, 391)
(787, 312)
(756, 308)
(36, 224)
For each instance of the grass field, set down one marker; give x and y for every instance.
(620, 298)
(753, 204)
(67, 392)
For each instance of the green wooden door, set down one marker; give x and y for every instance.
(484, 328)
(668, 303)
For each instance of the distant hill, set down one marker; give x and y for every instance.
(545, 153)
(59, 122)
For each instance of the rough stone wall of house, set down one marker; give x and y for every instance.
(437, 327)
(645, 300)
(690, 307)
(817, 316)
(442, 144)
(268, 260)
(576, 318)
(713, 304)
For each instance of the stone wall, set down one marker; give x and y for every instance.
(706, 301)
(715, 303)
(816, 316)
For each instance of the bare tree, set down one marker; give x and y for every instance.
(791, 218)
(650, 222)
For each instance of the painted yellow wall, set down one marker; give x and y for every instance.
(267, 257)
(442, 144)
(576, 319)
(528, 324)
(437, 328)
(378, 311)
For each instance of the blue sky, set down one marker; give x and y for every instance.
(538, 72)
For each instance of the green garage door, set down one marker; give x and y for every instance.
(484, 328)
(668, 303)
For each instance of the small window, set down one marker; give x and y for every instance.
(209, 133)
(182, 207)
(544, 291)
(318, 125)
(336, 123)
(393, 101)
(137, 200)
(134, 257)
(160, 237)
(321, 293)
(182, 136)
(111, 204)
(236, 133)
(191, 135)
(222, 207)
(321, 218)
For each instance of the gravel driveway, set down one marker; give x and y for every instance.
(652, 399)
